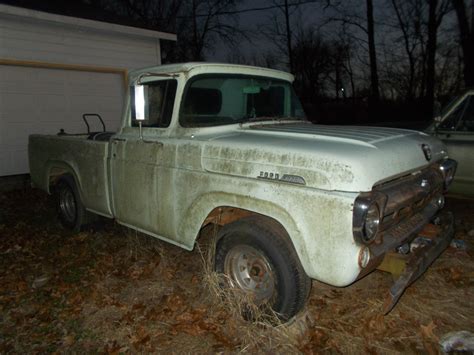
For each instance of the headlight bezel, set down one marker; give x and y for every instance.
(371, 222)
(363, 205)
(448, 170)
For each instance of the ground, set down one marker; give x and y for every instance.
(111, 290)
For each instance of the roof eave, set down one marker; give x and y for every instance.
(84, 23)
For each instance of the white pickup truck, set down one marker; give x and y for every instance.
(225, 144)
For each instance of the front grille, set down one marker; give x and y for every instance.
(409, 195)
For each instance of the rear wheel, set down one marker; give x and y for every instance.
(71, 211)
(258, 257)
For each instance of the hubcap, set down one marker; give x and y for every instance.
(250, 270)
(67, 204)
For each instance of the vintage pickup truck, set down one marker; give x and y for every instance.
(225, 144)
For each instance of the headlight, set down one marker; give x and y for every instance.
(368, 213)
(371, 223)
(440, 201)
(448, 169)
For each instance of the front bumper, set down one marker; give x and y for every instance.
(437, 238)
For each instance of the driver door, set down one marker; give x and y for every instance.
(137, 161)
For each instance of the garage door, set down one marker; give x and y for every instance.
(38, 100)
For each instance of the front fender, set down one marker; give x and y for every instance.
(201, 207)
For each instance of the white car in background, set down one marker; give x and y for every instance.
(455, 127)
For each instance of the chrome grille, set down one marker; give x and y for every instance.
(409, 195)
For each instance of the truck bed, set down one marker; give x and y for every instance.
(52, 155)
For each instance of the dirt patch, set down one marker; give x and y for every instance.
(110, 289)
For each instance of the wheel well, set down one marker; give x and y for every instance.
(223, 215)
(55, 174)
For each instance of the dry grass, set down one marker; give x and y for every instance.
(258, 326)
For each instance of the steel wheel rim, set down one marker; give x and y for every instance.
(67, 205)
(249, 269)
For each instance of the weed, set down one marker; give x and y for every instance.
(256, 327)
(73, 275)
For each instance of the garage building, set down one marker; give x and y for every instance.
(54, 68)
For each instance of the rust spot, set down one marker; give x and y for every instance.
(430, 231)
(224, 215)
(55, 174)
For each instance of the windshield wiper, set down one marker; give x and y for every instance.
(272, 118)
(262, 118)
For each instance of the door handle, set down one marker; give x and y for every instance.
(115, 140)
(153, 142)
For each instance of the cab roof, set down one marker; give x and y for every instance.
(195, 68)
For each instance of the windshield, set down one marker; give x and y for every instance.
(448, 107)
(226, 99)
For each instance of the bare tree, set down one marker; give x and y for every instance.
(202, 22)
(312, 63)
(374, 79)
(408, 22)
(279, 30)
(348, 14)
(198, 23)
(349, 70)
(158, 14)
(424, 66)
(342, 72)
(288, 36)
(436, 11)
(466, 33)
(266, 59)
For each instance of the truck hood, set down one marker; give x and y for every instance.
(342, 158)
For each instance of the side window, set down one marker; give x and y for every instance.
(450, 123)
(467, 120)
(159, 101)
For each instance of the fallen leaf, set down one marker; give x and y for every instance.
(81, 236)
(40, 281)
(140, 337)
(195, 280)
(430, 340)
(456, 273)
(68, 340)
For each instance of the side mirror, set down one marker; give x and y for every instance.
(139, 102)
(139, 95)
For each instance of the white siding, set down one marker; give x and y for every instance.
(23, 39)
(40, 100)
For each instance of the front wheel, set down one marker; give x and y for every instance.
(258, 257)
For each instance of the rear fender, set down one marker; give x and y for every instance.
(54, 170)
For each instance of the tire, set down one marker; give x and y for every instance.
(72, 213)
(258, 257)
